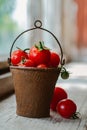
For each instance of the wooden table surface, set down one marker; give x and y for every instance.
(76, 87)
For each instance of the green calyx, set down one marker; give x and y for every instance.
(64, 73)
(76, 115)
(40, 46)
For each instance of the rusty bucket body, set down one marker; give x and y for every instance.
(34, 86)
(34, 89)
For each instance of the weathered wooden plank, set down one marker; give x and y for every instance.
(6, 84)
(8, 118)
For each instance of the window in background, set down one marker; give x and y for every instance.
(58, 16)
(13, 20)
(49, 12)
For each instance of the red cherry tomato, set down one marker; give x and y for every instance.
(42, 66)
(29, 63)
(17, 56)
(66, 108)
(40, 55)
(55, 59)
(59, 94)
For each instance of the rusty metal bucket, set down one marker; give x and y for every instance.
(34, 86)
(34, 89)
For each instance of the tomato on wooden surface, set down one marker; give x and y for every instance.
(39, 54)
(66, 108)
(59, 94)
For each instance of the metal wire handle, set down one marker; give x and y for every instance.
(38, 25)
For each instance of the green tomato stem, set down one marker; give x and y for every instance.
(76, 115)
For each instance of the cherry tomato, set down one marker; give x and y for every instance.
(59, 94)
(39, 54)
(42, 66)
(66, 108)
(29, 63)
(65, 75)
(55, 59)
(17, 56)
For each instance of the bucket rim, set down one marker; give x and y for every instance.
(35, 68)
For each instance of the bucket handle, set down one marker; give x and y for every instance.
(38, 25)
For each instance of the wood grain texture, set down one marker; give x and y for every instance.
(6, 85)
(76, 88)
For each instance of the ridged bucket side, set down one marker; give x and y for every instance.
(34, 90)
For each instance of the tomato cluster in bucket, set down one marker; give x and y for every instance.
(38, 56)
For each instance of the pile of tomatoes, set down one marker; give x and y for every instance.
(63, 105)
(38, 56)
